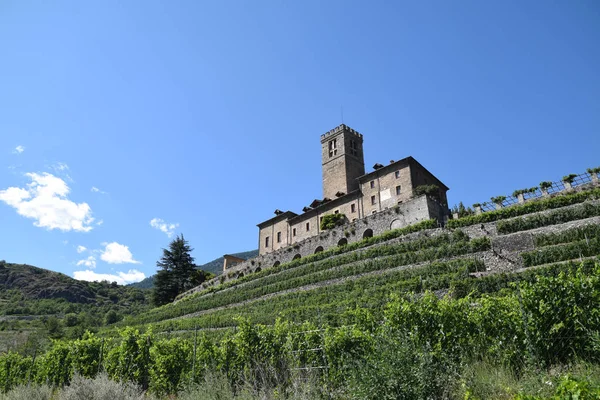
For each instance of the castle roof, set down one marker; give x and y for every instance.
(325, 205)
(280, 217)
(395, 165)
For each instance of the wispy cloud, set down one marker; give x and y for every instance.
(122, 278)
(116, 253)
(19, 149)
(81, 249)
(45, 201)
(94, 189)
(163, 226)
(89, 262)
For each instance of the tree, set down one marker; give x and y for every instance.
(177, 272)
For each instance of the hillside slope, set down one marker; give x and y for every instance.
(480, 253)
(29, 290)
(215, 266)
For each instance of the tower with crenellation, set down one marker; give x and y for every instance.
(342, 160)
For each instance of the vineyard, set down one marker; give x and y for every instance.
(403, 315)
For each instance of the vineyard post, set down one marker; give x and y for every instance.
(101, 354)
(194, 359)
(32, 365)
(531, 356)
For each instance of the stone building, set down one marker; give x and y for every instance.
(348, 190)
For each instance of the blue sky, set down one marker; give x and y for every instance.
(206, 116)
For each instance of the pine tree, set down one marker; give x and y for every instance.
(176, 272)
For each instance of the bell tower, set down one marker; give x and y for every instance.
(342, 159)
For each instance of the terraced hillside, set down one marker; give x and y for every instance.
(481, 253)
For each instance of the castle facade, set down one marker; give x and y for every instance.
(350, 191)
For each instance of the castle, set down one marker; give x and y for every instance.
(349, 191)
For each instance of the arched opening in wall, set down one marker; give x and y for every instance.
(397, 223)
(276, 264)
(240, 275)
(257, 269)
(368, 233)
(343, 242)
(296, 257)
(319, 249)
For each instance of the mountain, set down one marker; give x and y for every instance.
(29, 290)
(215, 266)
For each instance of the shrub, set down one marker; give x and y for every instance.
(593, 171)
(498, 199)
(100, 388)
(330, 221)
(569, 178)
(431, 190)
(33, 392)
(545, 185)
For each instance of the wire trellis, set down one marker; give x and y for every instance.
(555, 187)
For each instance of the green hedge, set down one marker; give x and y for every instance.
(570, 235)
(551, 218)
(527, 208)
(569, 251)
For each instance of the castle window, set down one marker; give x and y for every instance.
(372, 184)
(294, 232)
(307, 226)
(267, 241)
(397, 174)
(336, 212)
(397, 190)
(353, 207)
(332, 147)
(373, 200)
(278, 237)
(353, 148)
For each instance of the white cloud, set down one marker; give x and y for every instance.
(122, 278)
(81, 249)
(89, 262)
(45, 200)
(163, 226)
(115, 253)
(19, 149)
(100, 222)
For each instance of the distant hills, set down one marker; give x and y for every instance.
(215, 266)
(29, 290)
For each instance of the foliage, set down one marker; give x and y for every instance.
(130, 360)
(430, 190)
(570, 235)
(563, 252)
(29, 392)
(331, 221)
(569, 178)
(524, 191)
(545, 185)
(462, 211)
(177, 272)
(498, 199)
(100, 388)
(593, 171)
(552, 218)
(526, 208)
